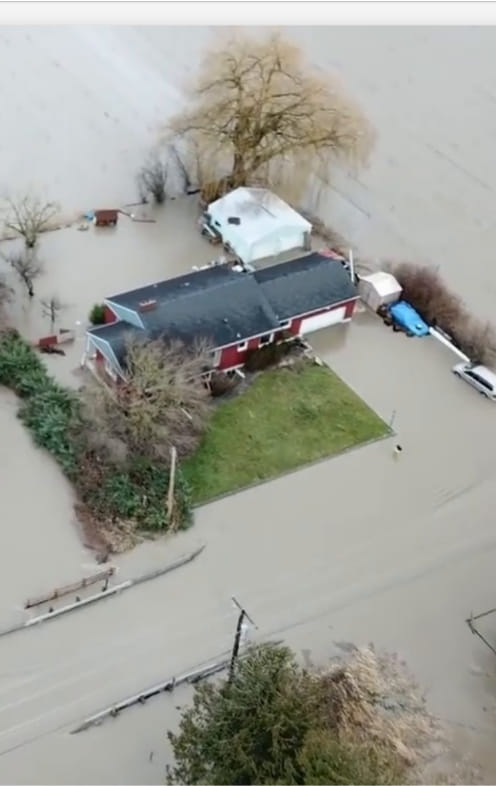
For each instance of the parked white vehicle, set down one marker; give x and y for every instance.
(480, 377)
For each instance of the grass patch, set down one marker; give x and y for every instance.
(286, 419)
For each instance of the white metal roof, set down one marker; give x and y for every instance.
(383, 283)
(261, 212)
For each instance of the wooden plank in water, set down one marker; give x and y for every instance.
(67, 589)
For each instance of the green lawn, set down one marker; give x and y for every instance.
(286, 419)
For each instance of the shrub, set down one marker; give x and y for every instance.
(266, 356)
(139, 492)
(18, 361)
(49, 415)
(424, 288)
(221, 383)
(97, 314)
(136, 491)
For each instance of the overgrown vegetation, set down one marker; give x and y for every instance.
(152, 178)
(361, 721)
(128, 486)
(164, 403)
(288, 417)
(262, 115)
(424, 288)
(267, 356)
(97, 314)
(221, 384)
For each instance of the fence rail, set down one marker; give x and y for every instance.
(167, 686)
(105, 593)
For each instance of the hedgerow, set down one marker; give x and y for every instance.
(135, 490)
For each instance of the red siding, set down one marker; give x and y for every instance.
(109, 315)
(230, 357)
(350, 308)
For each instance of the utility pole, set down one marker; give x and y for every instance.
(172, 482)
(243, 614)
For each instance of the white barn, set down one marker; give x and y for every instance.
(257, 224)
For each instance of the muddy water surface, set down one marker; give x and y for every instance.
(358, 548)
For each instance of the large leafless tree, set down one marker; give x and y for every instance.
(29, 216)
(258, 105)
(162, 404)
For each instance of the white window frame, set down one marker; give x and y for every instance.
(285, 324)
(269, 336)
(242, 347)
(109, 369)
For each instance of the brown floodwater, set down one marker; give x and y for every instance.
(358, 548)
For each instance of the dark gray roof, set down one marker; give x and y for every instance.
(172, 288)
(117, 334)
(216, 304)
(225, 307)
(305, 284)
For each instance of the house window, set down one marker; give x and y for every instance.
(243, 346)
(285, 324)
(266, 339)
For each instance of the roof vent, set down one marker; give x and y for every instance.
(147, 305)
(225, 320)
(234, 220)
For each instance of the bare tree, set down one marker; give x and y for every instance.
(29, 216)
(27, 267)
(163, 402)
(52, 308)
(152, 178)
(258, 105)
(424, 288)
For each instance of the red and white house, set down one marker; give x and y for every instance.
(235, 312)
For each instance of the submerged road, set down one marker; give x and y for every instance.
(360, 548)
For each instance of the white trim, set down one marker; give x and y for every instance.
(270, 337)
(231, 368)
(325, 308)
(113, 305)
(285, 324)
(241, 347)
(297, 316)
(322, 320)
(111, 354)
